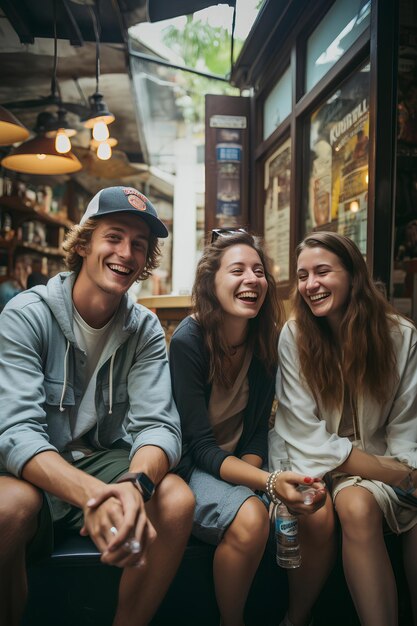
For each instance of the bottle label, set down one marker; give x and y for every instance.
(286, 531)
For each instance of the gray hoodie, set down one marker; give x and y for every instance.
(42, 372)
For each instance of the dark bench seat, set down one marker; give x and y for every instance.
(72, 588)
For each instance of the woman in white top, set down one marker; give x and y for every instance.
(347, 392)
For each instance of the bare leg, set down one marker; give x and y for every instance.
(365, 558)
(20, 504)
(142, 590)
(318, 551)
(237, 558)
(410, 566)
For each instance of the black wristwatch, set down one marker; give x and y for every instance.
(142, 482)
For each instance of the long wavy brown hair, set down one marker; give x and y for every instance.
(263, 329)
(365, 360)
(80, 237)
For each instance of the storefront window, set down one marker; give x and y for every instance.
(335, 34)
(338, 162)
(278, 104)
(277, 178)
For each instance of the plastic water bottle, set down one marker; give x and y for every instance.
(286, 533)
(307, 492)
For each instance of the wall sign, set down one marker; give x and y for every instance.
(227, 162)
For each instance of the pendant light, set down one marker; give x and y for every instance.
(11, 130)
(104, 148)
(39, 155)
(61, 130)
(44, 154)
(99, 114)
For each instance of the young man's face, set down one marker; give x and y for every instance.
(116, 255)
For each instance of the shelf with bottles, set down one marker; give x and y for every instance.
(40, 248)
(22, 211)
(30, 227)
(31, 235)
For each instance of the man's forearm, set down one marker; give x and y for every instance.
(49, 471)
(152, 461)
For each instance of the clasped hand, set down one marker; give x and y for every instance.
(116, 520)
(291, 489)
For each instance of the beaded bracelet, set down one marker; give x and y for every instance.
(270, 486)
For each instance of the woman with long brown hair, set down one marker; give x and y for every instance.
(347, 393)
(223, 363)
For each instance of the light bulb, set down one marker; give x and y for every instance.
(62, 142)
(100, 131)
(104, 151)
(41, 157)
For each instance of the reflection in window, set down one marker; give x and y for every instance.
(278, 104)
(277, 185)
(338, 161)
(340, 28)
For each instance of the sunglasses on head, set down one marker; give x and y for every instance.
(225, 232)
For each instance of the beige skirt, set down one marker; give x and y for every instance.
(399, 516)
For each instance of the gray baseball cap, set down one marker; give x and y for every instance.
(125, 200)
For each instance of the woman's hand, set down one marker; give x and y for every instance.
(291, 489)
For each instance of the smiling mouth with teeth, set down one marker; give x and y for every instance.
(247, 296)
(120, 269)
(319, 296)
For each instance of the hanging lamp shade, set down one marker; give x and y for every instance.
(39, 156)
(98, 112)
(58, 123)
(11, 130)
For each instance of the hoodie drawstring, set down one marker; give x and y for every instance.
(113, 356)
(64, 388)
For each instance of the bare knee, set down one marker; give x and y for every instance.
(20, 504)
(20, 501)
(250, 528)
(174, 501)
(358, 512)
(319, 527)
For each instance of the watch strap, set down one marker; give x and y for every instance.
(141, 481)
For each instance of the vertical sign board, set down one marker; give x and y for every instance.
(226, 162)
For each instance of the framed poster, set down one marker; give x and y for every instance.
(277, 178)
(338, 172)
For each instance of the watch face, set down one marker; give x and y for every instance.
(146, 484)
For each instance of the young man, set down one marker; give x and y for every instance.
(86, 401)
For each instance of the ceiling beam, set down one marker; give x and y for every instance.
(18, 20)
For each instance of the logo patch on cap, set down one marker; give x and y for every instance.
(136, 199)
